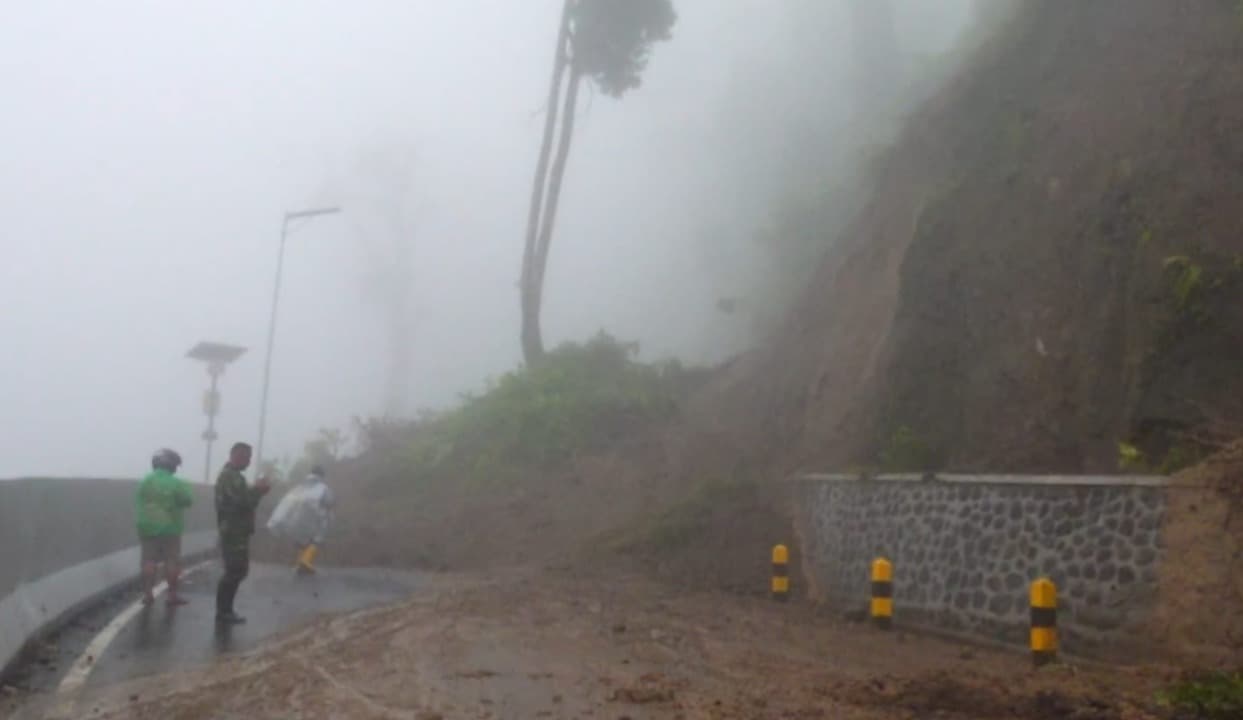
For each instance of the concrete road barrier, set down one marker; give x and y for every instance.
(66, 542)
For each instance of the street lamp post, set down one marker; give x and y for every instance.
(216, 356)
(276, 294)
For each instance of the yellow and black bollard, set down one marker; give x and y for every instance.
(882, 593)
(781, 572)
(1044, 622)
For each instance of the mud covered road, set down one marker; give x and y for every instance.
(538, 646)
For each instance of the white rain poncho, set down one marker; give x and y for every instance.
(305, 513)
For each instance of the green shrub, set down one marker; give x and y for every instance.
(908, 452)
(683, 523)
(1131, 458)
(580, 398)
(1181, 456)
(680, 525)
(1206, 696)
(1186, 281)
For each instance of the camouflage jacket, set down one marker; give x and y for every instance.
(235, 503)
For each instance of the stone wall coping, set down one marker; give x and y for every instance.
(1033, 480)
(192, 479)
(68, 479)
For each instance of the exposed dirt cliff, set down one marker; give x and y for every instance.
(1050, 263)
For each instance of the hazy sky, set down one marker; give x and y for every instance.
(151, 148)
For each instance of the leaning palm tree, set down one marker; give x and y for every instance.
(607, 42)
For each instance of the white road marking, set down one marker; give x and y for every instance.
(81, 670)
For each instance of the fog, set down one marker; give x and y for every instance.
(152, 147)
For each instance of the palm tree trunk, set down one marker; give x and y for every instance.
(554, 185)
(532, 340)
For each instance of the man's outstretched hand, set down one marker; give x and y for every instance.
(263, 484)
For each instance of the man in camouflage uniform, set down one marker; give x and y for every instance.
(235, 518)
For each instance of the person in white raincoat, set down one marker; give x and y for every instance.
(304, 516)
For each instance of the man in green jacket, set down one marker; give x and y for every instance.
(236, 502)
(159, 505)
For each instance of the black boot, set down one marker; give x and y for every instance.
(226, 591)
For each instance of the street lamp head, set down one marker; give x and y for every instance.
(313, 212)
(216, 355)
(215, 352)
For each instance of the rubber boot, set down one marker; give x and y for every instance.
(306, 559)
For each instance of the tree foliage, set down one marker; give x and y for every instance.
(611, 40)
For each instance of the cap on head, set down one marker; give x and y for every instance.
(317, 470)
(165, 459)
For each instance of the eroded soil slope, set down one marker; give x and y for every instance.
(1012, 295)
(1200, 609)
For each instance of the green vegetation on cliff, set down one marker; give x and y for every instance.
(578, 399)
(1211, 696)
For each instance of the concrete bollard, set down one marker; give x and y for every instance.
(882, 593)
(781, 573)
(1043, 622)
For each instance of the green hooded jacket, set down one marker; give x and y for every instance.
(160, 503)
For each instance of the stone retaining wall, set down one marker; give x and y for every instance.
(966, 548)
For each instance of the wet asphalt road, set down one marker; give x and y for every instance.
(160, 639)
